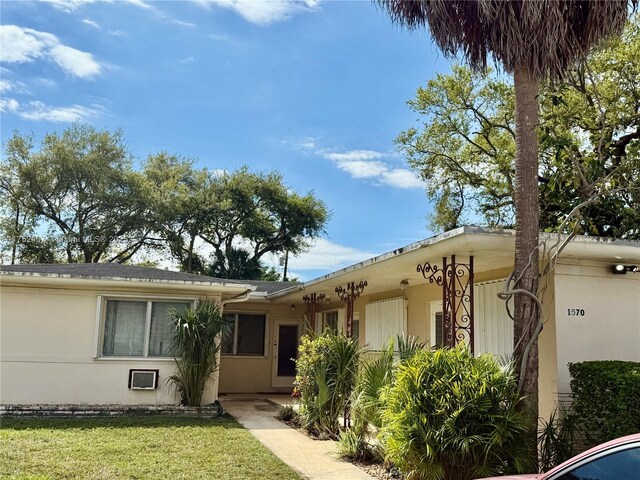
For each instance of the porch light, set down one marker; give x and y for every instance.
(404, 283)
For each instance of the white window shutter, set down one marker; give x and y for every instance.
(384, 320)
(493, 329)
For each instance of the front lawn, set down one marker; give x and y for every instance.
(134, 447)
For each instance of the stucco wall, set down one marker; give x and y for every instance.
(48, 351)
(419, 301)
(251, 374)
(547, 354)
(607, 323)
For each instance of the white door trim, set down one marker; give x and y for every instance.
(276, 381)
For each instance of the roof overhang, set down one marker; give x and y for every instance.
(44, 280)
(492, 249)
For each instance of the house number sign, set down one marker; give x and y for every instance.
(575, 312)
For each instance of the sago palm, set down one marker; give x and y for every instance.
(534, 40)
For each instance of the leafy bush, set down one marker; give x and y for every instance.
(195, 347)
(288, 414)
(606, 398)
(325, 376)
(375, 376)
(450, 415)
(354, 446)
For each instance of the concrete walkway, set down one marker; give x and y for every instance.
(313, 459)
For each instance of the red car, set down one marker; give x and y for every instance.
(618, 459)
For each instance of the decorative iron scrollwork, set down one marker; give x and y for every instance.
(312, 301)
(456, 280)
(431, 273)
(348, 295)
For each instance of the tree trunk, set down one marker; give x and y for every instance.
(527, 232)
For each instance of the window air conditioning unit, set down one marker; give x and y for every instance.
(143, 379)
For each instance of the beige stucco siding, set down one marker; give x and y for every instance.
(419, 299)
(251, 374)
(49, 345)
(547, 353)
(597, 316)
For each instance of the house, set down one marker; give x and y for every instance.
(60, 324)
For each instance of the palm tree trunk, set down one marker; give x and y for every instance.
(527, 227)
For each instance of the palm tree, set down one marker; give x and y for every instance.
(534, 40)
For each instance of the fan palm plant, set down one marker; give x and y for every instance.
(326, 374)
(450, 415)
(533, 39)
(196, 347)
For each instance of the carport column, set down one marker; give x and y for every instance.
(348, 295)
(456, 280)
(312, 301)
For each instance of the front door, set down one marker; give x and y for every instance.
(285, 349)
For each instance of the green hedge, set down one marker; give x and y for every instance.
(606, 398)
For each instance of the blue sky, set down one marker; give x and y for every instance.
(315, 90)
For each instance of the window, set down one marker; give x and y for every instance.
(355, 326)
(437, 327)
(330, 321)
(615, 466)
(139, 328)
(246, 334)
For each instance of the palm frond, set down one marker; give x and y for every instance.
(545, 36)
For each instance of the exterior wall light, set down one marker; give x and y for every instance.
(620, 269)
(404, 284)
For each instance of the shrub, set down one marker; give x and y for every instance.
(352, 445)
(288, 414)
(375, 376)
(606, 398)
(325, 376)
(195, 347)
(453, 416)
(558, 439)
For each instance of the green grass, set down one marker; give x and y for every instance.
(134, 448)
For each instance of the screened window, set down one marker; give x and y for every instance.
(139, 328)
(439, 330)
(246, 334)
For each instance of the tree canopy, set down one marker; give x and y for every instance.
(78, 198)
(464, 148)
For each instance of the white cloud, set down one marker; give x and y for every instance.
(39, 111)
(401, 178)
(9, 105)
(80, 64)
(91, 23)
(45, 82)
(264, 12)
(15, 87)
(361, 168)
(71, 6)
(323, 255)
(183, 23)
(23, 45)
(353, 155)
(187, 60)
(367, 164)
